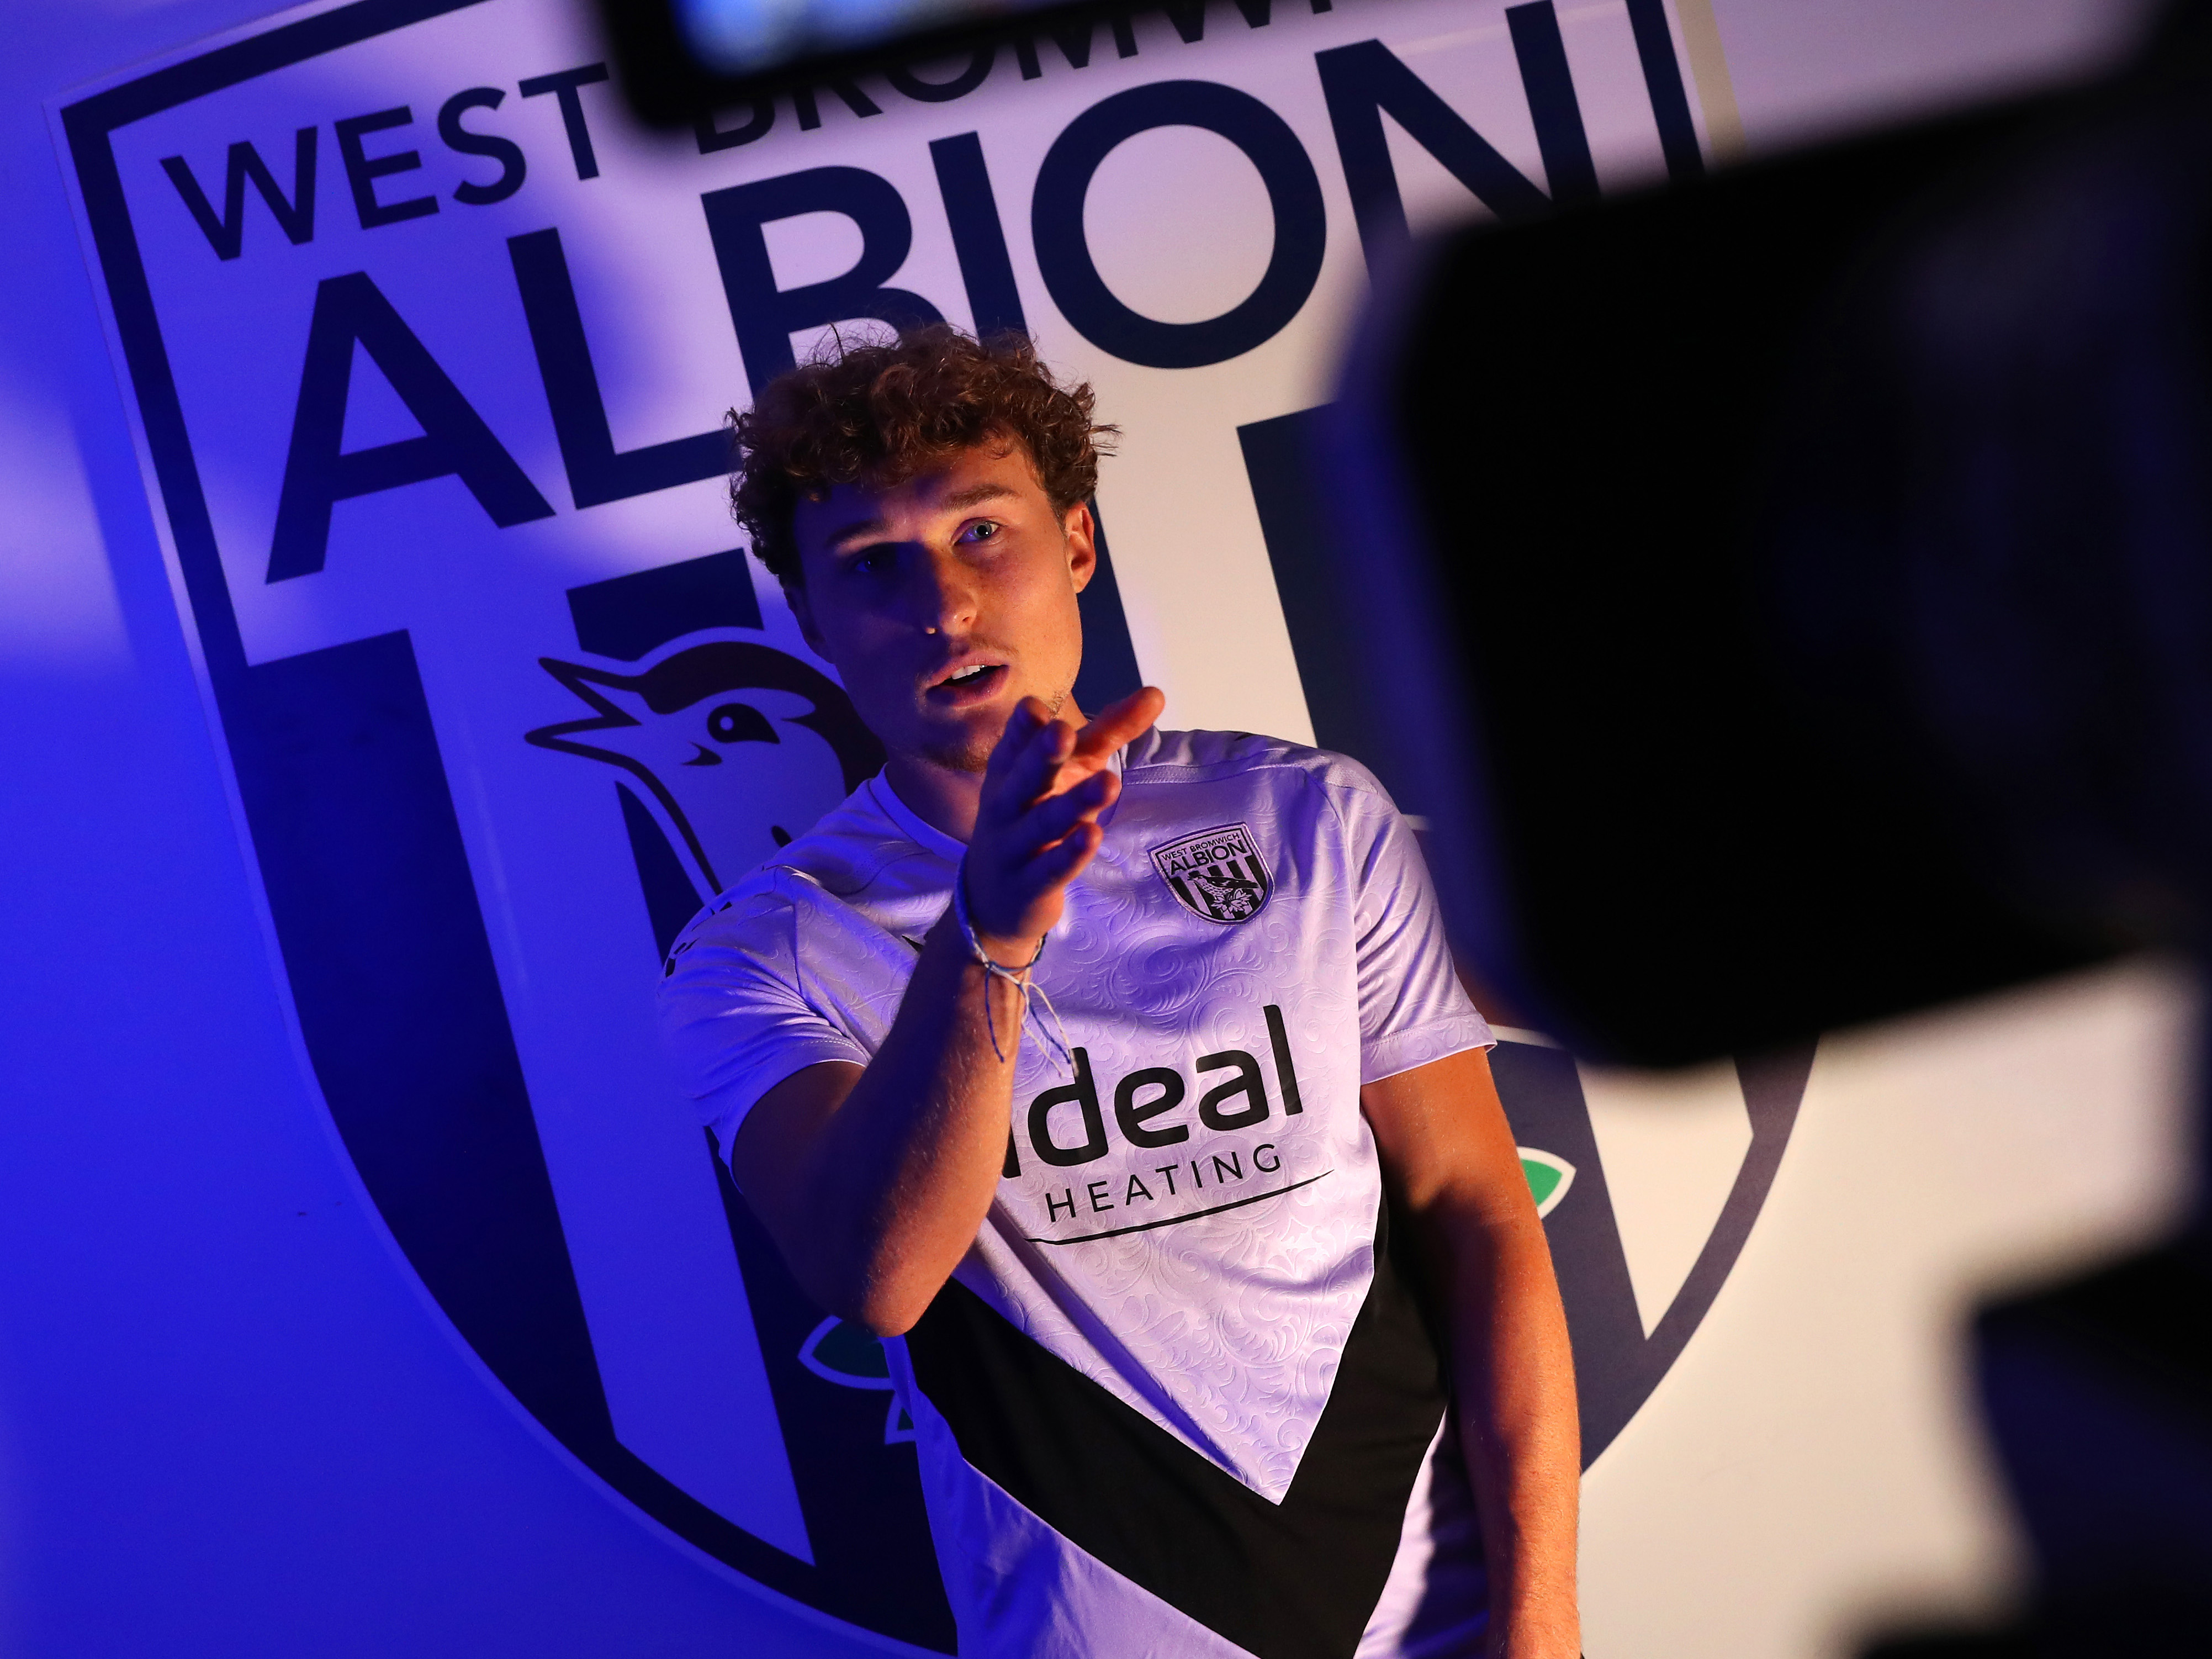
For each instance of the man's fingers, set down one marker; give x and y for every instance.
(1040, 758)
(1020, 839)
(1043, 790)
(1060, 864)
(1036, 773)
(1021, 726)
(1117, 723)
(1028, 757)
(1055, 815)
(1094, 745)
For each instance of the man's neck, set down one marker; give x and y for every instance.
(946, 798)
(942, 797)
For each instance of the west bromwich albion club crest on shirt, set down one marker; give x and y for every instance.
(1218, 873)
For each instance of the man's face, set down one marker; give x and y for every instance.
(945, 602)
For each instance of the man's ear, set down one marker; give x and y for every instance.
(1082, 533)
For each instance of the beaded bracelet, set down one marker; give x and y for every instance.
(1019, 978)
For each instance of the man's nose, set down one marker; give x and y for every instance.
(942, 592)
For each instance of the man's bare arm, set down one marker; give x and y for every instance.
(1455, 1181)
(873, 1181)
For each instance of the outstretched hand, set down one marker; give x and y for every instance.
(1036, 825)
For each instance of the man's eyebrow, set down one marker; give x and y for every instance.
(975, 495)
(844, 533)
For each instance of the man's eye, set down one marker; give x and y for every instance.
(983, 529)
(874, 561)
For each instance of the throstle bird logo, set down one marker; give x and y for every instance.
(715, 732)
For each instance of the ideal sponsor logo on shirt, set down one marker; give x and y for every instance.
(1177, 1179)
(1141, 1100)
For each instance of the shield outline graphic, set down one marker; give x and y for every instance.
(275, 724)
(1617, 1362)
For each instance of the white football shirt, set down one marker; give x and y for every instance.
(1174, 1401)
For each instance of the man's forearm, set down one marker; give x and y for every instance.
(892, 1191)
(874, 1181)
(1514, 1393)
(1456, 1175)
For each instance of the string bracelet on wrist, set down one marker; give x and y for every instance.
(1019, 978)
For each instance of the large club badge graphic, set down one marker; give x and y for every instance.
(487, 766)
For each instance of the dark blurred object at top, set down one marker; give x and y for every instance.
(1790, 596)
(685, 61)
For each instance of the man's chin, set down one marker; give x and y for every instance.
(972, 757)
(966, 746)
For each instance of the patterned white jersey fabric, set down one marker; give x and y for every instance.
(1189, 1216)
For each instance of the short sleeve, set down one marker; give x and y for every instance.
(1411, 1009)
(734, 1018)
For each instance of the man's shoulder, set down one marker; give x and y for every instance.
(849, 851)
(1206, 757)
(844, 856)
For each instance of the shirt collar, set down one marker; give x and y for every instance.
(928, 836)
(925, 836)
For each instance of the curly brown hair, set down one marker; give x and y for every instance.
(881, 415)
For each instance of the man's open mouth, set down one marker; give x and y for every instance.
(974, 679)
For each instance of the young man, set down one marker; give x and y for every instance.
(1183, 1254)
